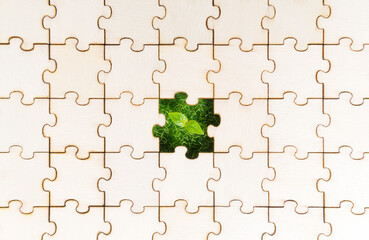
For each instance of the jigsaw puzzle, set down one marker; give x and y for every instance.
(183, 119)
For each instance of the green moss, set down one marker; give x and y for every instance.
(172, 135)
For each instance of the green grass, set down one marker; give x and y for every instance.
(172, 135)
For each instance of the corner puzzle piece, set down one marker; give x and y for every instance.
(72, 224)
(78, 20)
(22, 71)
(241, 179)
(131, 125)
(186, 179)
(188, 75)
(346, 64)
(76, 179)
(295, 71)
(77, 125)
(350, 121)
(131, 225)
(296, 179)
(303, 28)
(291, 225)
(132, 19)
(132, 71)
(22, 179)
(240, 71)
(181, 224)
(15, 225)
(178, 15)
(348, 180)
(13, 16)
(295, 125)
(240, 125)
(131, 179)
(347, 19)
(16, 119)
(236, 13)
(345, 224)
(237, 225)
(77, 71)
(172, 136)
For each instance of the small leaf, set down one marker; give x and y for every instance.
(178, 118)
(194, 127)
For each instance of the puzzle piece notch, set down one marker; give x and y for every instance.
(194, 190)
(78, 20)
(77, 71)
(33, 12)
(305, 120)
(346, 63)
(132, 225)
(15, 224)
(80, 177)
(72, 224)
(131, 179)
(132, 71)
(17, 118)
(306, 226)
(241, 71)
(181, 224)
(194, 68)
(124, 130)
(238, 120)
(23, 71)
(295, 71)
(347, 180)
(353, 128)
(30, 190)
(137, 17)
(175, 25)
(235, 169)
(298, 181)
(247, 14)
(238, 225)
(304, 29)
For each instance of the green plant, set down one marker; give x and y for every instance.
(172, 135)
(181, 120)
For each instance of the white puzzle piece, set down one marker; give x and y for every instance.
(241, 72)
(132, 125)
(132, 179)
(76, 179)
(132, 71)
(241, 179)
(186, 179)
(240, 125)
(132, 19)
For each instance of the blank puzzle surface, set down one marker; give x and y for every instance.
(80, 86)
